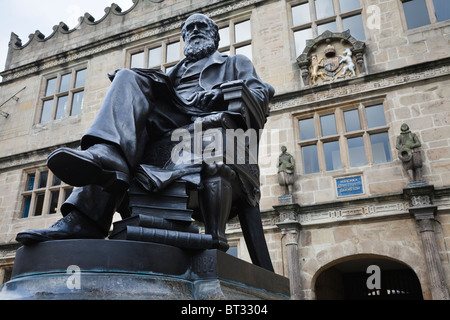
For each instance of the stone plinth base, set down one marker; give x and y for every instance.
(116, 269)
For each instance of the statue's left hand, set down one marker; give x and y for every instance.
(211, 99)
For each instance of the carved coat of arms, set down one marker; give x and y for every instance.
(320, 62)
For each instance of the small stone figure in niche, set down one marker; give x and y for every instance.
(286, 164)
(408, 151)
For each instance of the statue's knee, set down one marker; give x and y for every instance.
(125, 73)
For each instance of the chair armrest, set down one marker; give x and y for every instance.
(240, 100)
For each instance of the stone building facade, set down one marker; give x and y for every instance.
(353, 210)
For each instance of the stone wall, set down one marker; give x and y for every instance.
(423, 105)
(325, 246)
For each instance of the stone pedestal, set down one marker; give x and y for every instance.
(131, 270)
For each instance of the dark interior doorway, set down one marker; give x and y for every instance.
(348, 281)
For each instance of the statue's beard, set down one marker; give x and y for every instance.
(199, 48)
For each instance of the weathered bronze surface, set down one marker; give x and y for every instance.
(126, 159)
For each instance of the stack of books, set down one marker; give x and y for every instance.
(162, 217)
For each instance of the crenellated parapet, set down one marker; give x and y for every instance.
(40, 46)
(86, 20)
(116, 29)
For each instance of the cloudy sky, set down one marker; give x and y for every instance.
(24, 17)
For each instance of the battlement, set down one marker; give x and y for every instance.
(117, 28)
(83, 22)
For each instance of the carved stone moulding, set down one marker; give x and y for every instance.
(331, 56)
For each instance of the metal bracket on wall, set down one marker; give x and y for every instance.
(13, 97)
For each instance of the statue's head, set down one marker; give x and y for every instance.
(404, 128)
(283, 149)
(201, 37)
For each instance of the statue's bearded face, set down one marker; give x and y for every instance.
(200, 36)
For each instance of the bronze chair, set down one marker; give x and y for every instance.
(212, 190)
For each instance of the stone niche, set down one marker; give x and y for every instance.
(331, 57)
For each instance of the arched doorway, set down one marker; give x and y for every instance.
(352, 279)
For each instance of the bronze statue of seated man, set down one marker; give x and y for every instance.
(143, 106)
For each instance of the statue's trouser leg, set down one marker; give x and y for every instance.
(123, 116)
(127, 113)
(136, 110)
(95, 203)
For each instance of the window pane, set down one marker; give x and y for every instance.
(307, 130)
(65, 83)
(356, 151)
(348, 5)
(442, 9)
(310, 160)
(80, 78)
(300, 14)
(352, 122)
(54, 195)
(173, 52)
(330, 26)
(43, 179)
(355, 25)
(77, 102)
(324, 8)
(62, 107)
(375, 116)
(39, 204)
(154, 57)
(300, 40)
(328, 125)
(30, 182)
(56, 181)
(242, 31)
(380, 147)
(51, 86)
(47, 108)
(224, 37)
(67, 193)
(246, 51)
(26, 206)
(332, 154)
(416, 13)
(137, 60)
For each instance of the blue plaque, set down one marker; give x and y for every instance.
(349, 186)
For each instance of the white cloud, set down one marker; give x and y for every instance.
(24, 17)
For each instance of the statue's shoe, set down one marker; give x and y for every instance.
(101, 164)
(73, 226)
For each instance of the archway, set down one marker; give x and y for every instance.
(352, 279)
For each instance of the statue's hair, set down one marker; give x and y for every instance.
(210, 23)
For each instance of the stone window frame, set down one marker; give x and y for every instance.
(52, 185)
(164, 65)
(234, 45)
(342, 135)
(5, 272)
(57, 94)
(314, 22)
(431, 15)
